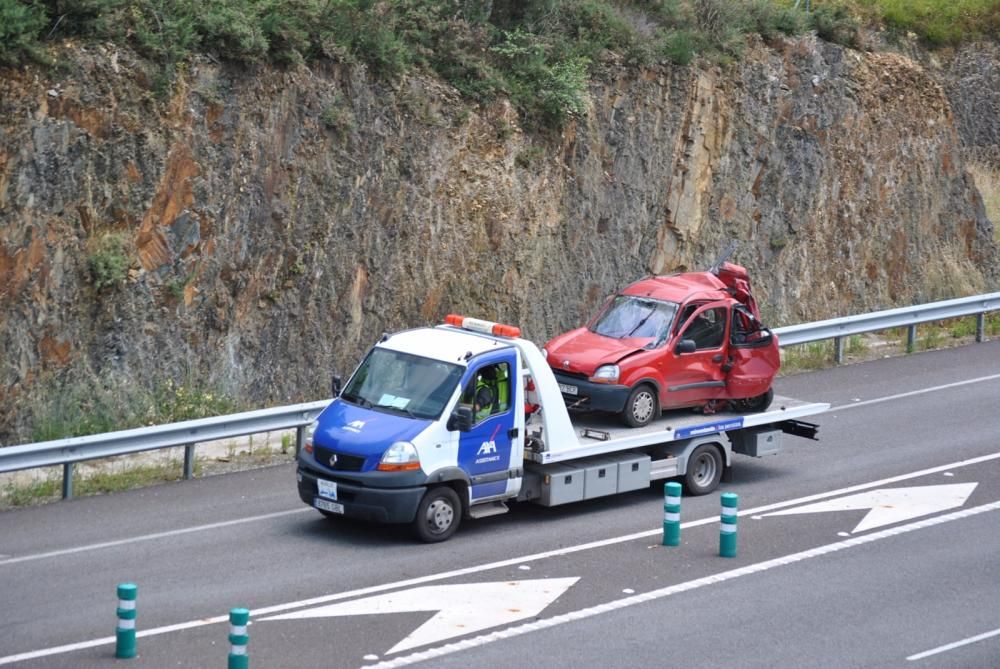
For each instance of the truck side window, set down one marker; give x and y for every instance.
(488, 393)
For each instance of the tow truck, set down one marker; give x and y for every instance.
(456, 421)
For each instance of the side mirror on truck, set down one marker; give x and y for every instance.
(335, 385)
(686, 346)
(461, 419)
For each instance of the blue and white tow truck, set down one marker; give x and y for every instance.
(456, 421)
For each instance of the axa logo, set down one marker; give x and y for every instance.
(355, 425)
(487, 448)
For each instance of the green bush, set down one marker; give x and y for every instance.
(942, 22)
(548, 90)
(678, 46)
(835, 23)
(108, 402)
(109, 262)
(20, 24)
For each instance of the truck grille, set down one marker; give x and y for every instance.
(343, 462)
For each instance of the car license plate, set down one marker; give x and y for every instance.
(325, 505)
(569, 390)
(327, 489)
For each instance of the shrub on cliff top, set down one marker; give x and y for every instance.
(20, 26)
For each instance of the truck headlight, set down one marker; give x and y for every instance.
(308, 438)
(401, 456)
(606, 374)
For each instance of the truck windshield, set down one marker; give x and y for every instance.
(402, 383)
(628, 316)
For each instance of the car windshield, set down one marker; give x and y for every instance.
(402, 383)
(628, 316)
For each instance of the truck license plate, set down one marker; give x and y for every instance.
(332, 507)
(327, 489)
(569, 390)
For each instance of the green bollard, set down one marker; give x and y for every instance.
(238, 638)
(672, 514)
(125, 632)
(727, 525)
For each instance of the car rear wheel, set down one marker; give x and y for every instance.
(755, 404)
(438, 515)
(640, 407)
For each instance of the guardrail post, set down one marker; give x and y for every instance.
(238, 638)
(727, 525)
(300, 439)
(672, 514)
(67, 482)
(188, 462)
(125, 632)
(911, 338)
(838, 350)
(980, 326)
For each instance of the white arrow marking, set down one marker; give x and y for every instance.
(461, 609)
(892, 505)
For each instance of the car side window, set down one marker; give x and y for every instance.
(707, 329)
(747, 331)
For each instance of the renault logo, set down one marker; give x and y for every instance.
(333, 460)
(565, 364)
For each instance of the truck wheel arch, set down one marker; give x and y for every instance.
(455, 478)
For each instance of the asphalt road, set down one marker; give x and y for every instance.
(821, 579)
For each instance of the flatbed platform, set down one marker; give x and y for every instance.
(600, 434)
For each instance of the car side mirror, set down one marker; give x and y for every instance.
(335, 385)
(461, 419)
(686, 346)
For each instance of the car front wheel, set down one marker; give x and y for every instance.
(640, 408)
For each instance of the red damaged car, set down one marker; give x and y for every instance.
(684, 340)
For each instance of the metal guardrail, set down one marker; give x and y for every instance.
(66, 452)
(188, 433)
(908, 317)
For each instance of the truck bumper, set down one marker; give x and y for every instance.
(594, 396)
(383, 505)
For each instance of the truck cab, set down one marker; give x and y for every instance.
(429, 424)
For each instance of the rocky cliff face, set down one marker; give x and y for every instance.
(278, 221)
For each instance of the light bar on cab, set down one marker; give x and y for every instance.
(486, 327)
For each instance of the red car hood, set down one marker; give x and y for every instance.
(583, 352)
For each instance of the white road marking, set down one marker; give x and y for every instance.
(44, 652)
(607, 607)
(462, 608)
(148, 537)
(953, 646)
(922, 391)
(891, 505)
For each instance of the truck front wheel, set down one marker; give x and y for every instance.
(704, 470)
(438, 515)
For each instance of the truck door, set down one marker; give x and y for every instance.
(695, 377)
(484, 452)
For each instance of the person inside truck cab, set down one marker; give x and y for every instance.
(489, 393)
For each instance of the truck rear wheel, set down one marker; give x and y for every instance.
(438, 515)
(704, 470)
